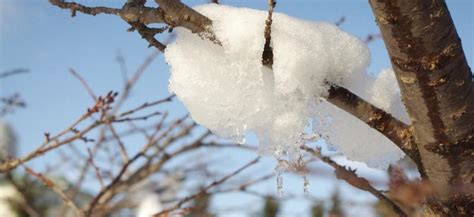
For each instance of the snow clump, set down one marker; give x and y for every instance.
(228, 90)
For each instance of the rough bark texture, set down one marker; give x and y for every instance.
(179, 14)
(437, 90)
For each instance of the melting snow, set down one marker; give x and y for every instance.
(226, 88)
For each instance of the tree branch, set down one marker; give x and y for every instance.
(74, 7)
(351, 178)
(267, 55)
(13, 72)
(175, 13)
(206, 189)
(436, 86)
(395, 130)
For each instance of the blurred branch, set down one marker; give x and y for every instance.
(51, 142)
(206, 189)
(10, 103)
(350, 177)
(372, 37)
(51, 185)
(13, 72)
(340, 21)
(84, 83)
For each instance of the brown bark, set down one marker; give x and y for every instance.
(179, 14)
(398, 132)
(436, 86)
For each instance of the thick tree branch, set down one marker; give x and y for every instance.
(395, 130)
(436, 86)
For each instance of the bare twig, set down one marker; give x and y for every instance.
(10, 103)
(372, 37)
(149, 34)
(50, 184)
(13, 72)
(96, 168)
(267, 55)
(340, 21)
(84, 83)
(51, 143)
(349, 176)
(74, 7)
(148, 104)
(204, 190)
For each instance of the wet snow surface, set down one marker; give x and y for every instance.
(226, 88)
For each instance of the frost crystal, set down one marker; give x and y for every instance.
(226, 88)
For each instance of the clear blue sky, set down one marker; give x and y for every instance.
(46, 40)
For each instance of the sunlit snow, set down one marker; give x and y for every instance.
(226, 88)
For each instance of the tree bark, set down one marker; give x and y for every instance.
(437, 90)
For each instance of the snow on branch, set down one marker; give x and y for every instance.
(350, 177)
(176, 14)
(312, 60)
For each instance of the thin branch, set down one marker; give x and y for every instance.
(206, 189)
(372, 37)
(350, 177)
(10, 103)
(267, 55)
(133, 80)
(51, 143)
(340, 21)
(148, 104)
(84, 83)
(96, 168)
(123, 150)
(149, 34)
(51, 185)
(13, 72)
(143, 117)
(74, 7)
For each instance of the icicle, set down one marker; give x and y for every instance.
(306, 186)
(279, 184)
(282, 166)
(239, 136)
(300, 169)
(239, 139)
